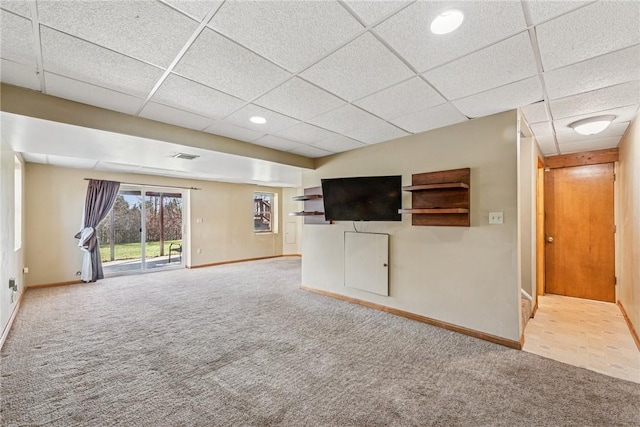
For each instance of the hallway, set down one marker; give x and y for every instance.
(585, 333)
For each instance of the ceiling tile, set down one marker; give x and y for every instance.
(339, 143)
(221, 64)
(547, 145)
(541, 129)
(541, 11)
(502, 63)
(614, 129)
(591, 31)
(85, 93)
(195, 97)
(299, 99)
(485, 23)
(436, 117)
(308, 151)
(277, 143)
(135, 28)
(594, 144)
(68, 56)
(373, 11)
(598, 100)
(291, 34)
(413, 95)
(275, 121)
(17, 39)
(360, 68)
(305, 133)
(375, 133)
(624, 114)
(504, 98)
(535, 113)
(229, 130)
(21, 7)
(607, 70)
(198, 9)
(345, 119)
(19, 74)
(163, 113)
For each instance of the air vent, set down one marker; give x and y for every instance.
(185, 156)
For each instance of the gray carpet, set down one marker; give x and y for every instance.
(241, 345)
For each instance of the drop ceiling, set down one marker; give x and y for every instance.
(328, 76)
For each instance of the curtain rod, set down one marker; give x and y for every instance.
(151, 185)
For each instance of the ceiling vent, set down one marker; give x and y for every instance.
(185, 156)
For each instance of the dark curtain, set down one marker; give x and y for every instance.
(101, 195)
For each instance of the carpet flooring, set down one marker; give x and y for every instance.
(241, 344)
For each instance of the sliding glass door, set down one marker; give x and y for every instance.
(143, 231)
(163, 226)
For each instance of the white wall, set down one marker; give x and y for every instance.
(527, 171)
(464, 276)
(11, 261)
(628, 223)
(55, 200)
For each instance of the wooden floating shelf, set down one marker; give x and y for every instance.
(435, 186)
(434, 211)
(307, 197)
(303, 213)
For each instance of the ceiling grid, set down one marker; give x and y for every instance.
(333, 76)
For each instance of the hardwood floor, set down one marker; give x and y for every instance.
(586, 333)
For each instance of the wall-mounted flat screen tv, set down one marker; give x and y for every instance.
(366, 198)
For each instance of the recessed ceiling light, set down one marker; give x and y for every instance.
(258, 120)
(592, 125)
(447, 21)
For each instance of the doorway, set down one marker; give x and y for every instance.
(579, 232)
(143, 231)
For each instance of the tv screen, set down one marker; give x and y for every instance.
(367, 198)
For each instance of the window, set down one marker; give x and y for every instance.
(17, 198)
(262, 203)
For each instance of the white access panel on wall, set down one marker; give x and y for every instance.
(366, 262)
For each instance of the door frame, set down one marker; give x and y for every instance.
(540, 231)
(584, 158)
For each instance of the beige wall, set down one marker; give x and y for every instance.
(55, 199)
(292, 225)
(628, 223)
(464, 276)
(11, 261)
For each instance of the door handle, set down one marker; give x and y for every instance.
(550, 239)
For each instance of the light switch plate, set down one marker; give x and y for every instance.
(496, 218)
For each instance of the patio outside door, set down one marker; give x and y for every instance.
(143, 231)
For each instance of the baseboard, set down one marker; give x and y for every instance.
(51, 285)
(534, 309)
(233, 261)
(634, 334)
(295, 255)
(434, 322)
(7, 328)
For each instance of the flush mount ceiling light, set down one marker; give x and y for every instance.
(592, 125)
(258, 120)
(447, 21)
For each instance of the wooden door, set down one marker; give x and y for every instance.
(579, 221)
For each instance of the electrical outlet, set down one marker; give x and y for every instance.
(496, 218)
(199, 251)
(25, 270)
